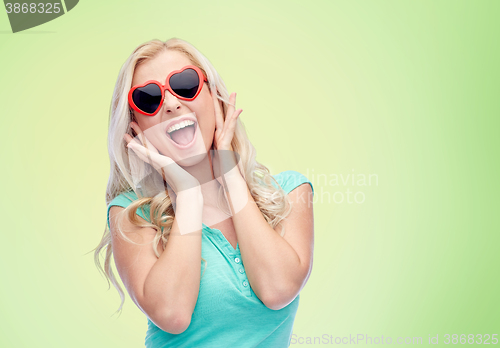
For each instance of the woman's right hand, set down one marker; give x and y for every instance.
(175, 176)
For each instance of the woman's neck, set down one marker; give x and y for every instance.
(203, 170)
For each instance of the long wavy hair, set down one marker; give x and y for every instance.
(272, 201)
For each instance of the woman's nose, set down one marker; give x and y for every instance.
(171, 104)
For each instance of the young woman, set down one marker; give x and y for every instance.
(210, 246)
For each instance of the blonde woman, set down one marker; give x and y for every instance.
(209, 245)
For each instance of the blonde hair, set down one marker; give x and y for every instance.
(272, 201)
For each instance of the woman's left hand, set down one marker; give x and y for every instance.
(224, 130)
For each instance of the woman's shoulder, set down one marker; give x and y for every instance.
(290, 179)
(123, 200)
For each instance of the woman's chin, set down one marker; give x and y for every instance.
(192, 160)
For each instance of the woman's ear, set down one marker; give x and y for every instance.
(132, 118)
(211, 87)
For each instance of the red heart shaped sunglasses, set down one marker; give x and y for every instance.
(184, 84)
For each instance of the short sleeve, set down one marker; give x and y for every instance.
(291, 179)
(124, 200)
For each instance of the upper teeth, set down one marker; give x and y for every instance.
(180, 125)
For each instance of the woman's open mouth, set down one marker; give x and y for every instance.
(182, 134)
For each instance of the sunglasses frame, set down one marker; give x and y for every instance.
(163, 88)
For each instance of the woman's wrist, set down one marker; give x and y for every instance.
(193, 195)
(225, 162)
(189, 211)
(235, 189)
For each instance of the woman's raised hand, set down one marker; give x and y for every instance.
(224, 159)
(224, 129)
(176, 177)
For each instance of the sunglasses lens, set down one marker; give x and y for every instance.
(186, 83)
(147, 98)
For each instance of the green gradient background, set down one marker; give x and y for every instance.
(405, 90)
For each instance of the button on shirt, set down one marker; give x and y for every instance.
(227, 311)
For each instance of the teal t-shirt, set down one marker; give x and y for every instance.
(227, 311)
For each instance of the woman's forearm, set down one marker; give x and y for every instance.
(174, 280)
(273, 267)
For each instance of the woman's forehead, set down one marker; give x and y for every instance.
(159, 67)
